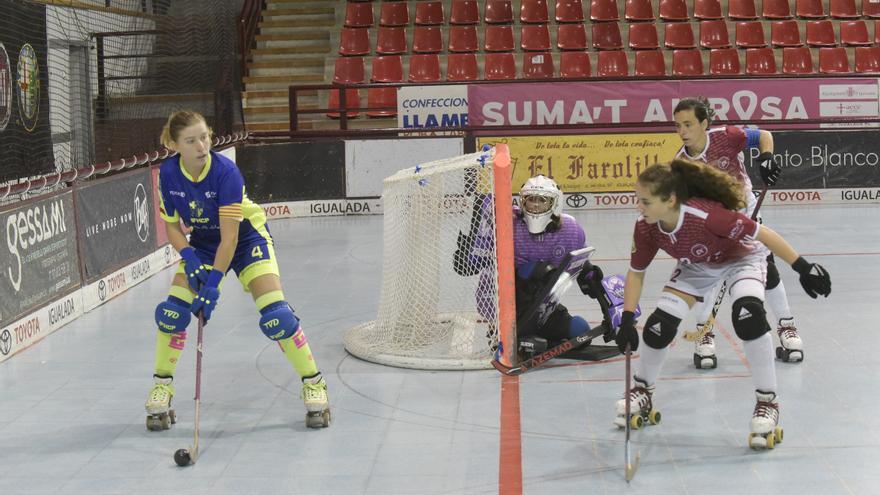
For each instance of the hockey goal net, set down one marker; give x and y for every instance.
(443, 253)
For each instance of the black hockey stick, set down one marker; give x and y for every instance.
(710, 323)
(630, 468)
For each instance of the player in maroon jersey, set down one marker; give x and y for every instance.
(723, 148)
(690, 211)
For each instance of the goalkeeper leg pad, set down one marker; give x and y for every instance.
(278, 321)
(173, 315)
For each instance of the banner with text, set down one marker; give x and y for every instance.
(115, 221)
(432, 106)
(587, 163)
(39, 260)
(653, 101)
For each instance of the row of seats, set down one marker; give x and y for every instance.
(466, 12)
(464, 67)
(606, 36)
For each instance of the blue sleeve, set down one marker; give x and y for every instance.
(231, 188)
(753, 136)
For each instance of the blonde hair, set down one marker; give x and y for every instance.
(689, 179)
(177, 122)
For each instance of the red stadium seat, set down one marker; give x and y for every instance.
(571, 37)
(533, 11)
(760, 61)
(724, 61)
(877, 32)
(537, 66)
(394, 14)
(713, 34)
(707, 9)
(499, 12)
(638, 10)
(871, 8)
(687, 63)
(673, 10)
(820, 33)
(785, 33)
(833, 61)
(854, 33)
(382, 97)
(750, 35)
(348, 70)
(741, 10)
(358, 14)
(500, 66)
(424, 68)
(387, 69)
(844, 9)
(429, 13)
(354, 41)
(643, 36)
(569, 11)
(535, 37)
(679, 35)
(649, 63)
(427, 39)
(868, 60)
(601, 11)
(391, 40)
(463, 39)
(606, 36)
(499, 38)
(809, 9)
(574, 65)
(464, 12)
(352, 101)
(462, 67)
(612, 64)
(776, 9)
(797, 60)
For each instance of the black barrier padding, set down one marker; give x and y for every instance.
(293, 171)
(115, 222)
(38, 258)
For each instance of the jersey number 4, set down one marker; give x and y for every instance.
(257, 252)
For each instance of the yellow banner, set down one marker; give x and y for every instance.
(591, 163)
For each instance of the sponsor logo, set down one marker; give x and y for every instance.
(6, 90)
(699, 250)
(273, 211)
(210, 194)
(576, 201)
(27, 228)
(848, 91)
(27, 330)
(140, 269)
(167, 254)
(58, 312)
(141, 213)
(340, 207)
(177, 193)
(795, 196)
(860, 195)
(28, 82)
(196, 210)
(5, 342)
(102, 290)
(723, 163)
(616, 199)
(735, 231)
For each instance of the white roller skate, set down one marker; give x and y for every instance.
(791, 348)
(766, 432)
(704, 351)
(314, 395)
(160, 415)
(641, 406)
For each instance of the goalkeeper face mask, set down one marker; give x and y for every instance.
(541, 201)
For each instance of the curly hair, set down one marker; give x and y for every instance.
(703, 110)
(690, 179)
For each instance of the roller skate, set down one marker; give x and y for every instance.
(160, 415)
(704, 351)
(766, 432)
(791, 348)
(314, 395)
(641, 407)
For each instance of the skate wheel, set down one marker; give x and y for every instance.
(778, 434)
(705, 362)
(654, 417)
(636, 422)
(795, 356)
(173, 416)
(779, 353)
(771, 440)
(756, 442)
(318, 419)
(166, 422)
(155, 423)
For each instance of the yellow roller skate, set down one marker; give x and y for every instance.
(160, 415)
(314, 395)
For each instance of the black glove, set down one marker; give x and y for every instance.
(626, 332)
(590, 280)
(814, 279)
(769, 168)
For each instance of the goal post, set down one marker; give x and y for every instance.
(447, 299)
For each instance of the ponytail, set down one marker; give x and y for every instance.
(688, 179)
(177, 122)
(703, 110)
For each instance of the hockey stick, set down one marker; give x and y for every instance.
(184, 457)
(630, 469)
(710, 323)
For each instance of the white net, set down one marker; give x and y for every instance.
(439, 303)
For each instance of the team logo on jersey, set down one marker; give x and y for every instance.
(28, 82)
(5, 88)
(723, 163)
(196, 210)
(699, 250)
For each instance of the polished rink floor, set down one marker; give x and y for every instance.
(72, 420)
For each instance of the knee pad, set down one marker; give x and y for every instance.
(172, 316)
(772, 274)
(749, 318)
(278, 321)
(660, 329)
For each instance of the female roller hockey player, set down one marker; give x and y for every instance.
(723, 148)
(206, 191)
(689, 211)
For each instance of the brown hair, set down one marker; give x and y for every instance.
(177, 122)
(689, 179)
(703, 111)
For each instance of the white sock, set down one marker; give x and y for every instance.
(759, 352)
(650, 362)
(777, 299)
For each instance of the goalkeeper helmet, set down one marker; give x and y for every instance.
(541, 202)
